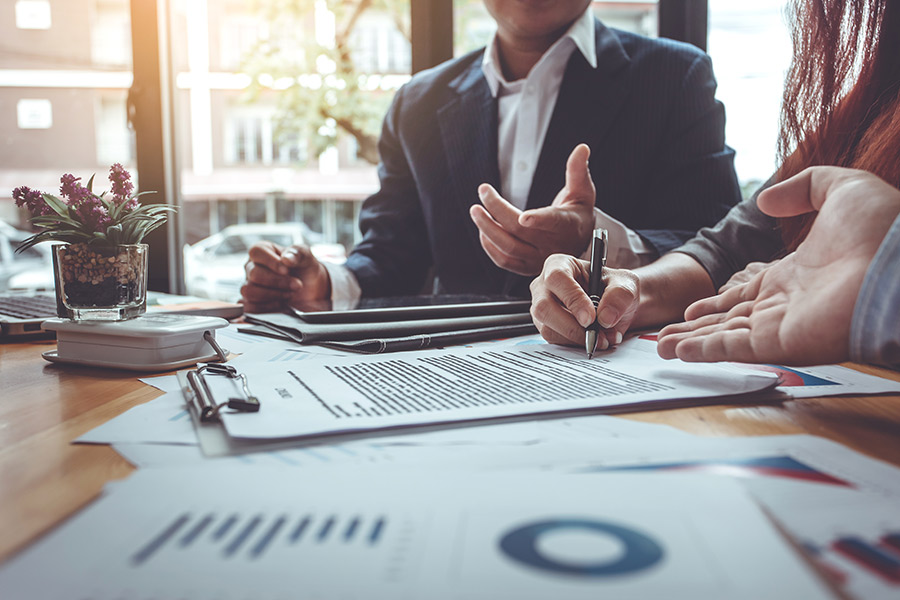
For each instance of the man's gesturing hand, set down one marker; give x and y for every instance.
(521, 241)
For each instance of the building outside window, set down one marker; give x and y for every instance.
(278, 110)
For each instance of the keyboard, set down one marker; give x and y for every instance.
(25, 306)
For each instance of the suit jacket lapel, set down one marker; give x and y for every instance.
(588, 102)
(468, 124)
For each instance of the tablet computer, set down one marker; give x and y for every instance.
(407, 308)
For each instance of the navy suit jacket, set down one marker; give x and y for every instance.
(658, 159)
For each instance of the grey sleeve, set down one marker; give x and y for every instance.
(875, 328)
(745, 235)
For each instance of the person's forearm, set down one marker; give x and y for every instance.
(668, 286)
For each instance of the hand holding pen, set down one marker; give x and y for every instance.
(599, 243)
(562, 310)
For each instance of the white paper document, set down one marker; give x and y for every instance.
(234, 341)
(164, 383)
(772, 462)
(233, 534)
(172, 455)
(163, 420)
(326, 395)
(380, 448)
(828, 380)
(811, 382)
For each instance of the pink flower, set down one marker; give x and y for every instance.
(32, 200)
(88, 207)
(122, 186)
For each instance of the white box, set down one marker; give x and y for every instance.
(151, 342)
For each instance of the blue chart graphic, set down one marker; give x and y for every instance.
(235, 534)
(641, 551)
(792, 377)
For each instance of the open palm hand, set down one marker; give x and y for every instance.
(797, 311)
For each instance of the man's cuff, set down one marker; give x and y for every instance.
(345, 290)
(626, 249)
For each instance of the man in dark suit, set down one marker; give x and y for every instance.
(506, 118)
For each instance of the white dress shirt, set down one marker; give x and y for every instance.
(524, 109)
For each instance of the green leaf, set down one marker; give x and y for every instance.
(58, 206)
(31, 241)
(107, 204)
(90, 184)
(49, 221)
(114, 234)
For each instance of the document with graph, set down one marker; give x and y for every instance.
(235, 533)
(326, 394)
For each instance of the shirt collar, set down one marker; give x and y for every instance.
(581, 32)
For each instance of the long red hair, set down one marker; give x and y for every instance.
(842, 95)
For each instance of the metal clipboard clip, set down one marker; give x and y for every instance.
(207, 408)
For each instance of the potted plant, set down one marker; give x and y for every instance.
(100, 266)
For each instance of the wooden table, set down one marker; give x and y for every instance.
(44, 478)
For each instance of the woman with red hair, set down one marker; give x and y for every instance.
(841, 108)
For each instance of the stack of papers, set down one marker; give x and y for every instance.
(476, 472)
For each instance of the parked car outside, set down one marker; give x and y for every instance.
(214, 266)
(31, 269)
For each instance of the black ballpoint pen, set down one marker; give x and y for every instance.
(595, 286)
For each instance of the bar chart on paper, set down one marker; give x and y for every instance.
(205, 537)
(858, 546)
(225, 552)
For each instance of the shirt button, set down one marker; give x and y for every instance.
(521, 165)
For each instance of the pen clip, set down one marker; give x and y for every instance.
(602, 236)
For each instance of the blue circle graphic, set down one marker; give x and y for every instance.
(641, 551)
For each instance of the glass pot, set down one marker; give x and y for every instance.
(100, 284)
